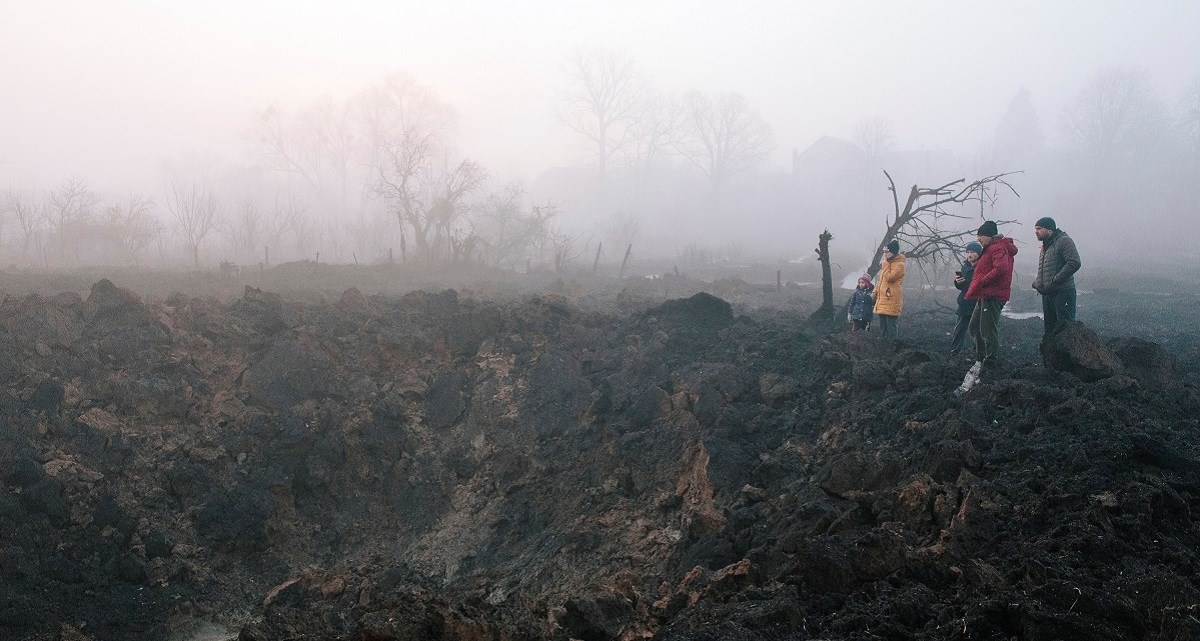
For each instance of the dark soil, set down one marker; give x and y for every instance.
(589, 464)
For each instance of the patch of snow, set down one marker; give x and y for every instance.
(851, 279)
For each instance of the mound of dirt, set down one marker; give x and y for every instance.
(700, 309)
(438, 467)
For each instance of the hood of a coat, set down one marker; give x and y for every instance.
(1001, 243)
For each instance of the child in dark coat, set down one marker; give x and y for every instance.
(859, 308)
(965, 307)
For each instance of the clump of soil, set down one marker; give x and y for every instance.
(434, 466)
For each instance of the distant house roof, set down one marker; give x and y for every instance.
(829, 161)
(828, 157)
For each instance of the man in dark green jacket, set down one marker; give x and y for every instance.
(1057, 264)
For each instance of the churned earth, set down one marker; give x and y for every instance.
(435, 465)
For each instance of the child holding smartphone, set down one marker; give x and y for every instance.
(962, 280)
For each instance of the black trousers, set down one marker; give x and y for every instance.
(1058, 307)
(887, 325)
(959, 336)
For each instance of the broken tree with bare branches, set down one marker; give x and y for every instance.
(928, 222)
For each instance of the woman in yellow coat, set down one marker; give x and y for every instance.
(889, 290)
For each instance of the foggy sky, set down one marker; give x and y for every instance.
(108, 89)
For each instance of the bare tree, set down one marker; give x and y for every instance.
(874, 136)
(132, 225)
(286, 149)
(449, 188)
(922, 223)
(426, 192)
(304, 232)
(69, 209)
(29, 212)
(361, 231)
(335, 125)
(725, 138)
(509, 233)
(241, 228)
(601, 102)
(565, 247)
(196, 212)
(657, 129)
(281, 219)
(318, 145)
(622, 228)
(402, 115)
(431, 199)
(1114, 122)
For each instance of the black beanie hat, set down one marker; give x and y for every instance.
(988, 228)
(1046, 222)
(894, 246)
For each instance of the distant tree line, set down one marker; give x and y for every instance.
(378, 176)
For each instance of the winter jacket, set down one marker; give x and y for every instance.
(859, 306)
(1057, 264)
(965, 307)
(889, 290)
(993, 271)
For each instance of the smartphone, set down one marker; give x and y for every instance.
(958, 274)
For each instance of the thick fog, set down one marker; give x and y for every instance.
(190, 134)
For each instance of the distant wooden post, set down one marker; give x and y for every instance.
(266, 254)
(355, 256)
(318, 258)
(624, 261)
(676, 270)
(596, 263)
(778, 280)
(390, 260)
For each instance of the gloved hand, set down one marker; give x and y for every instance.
(849, 319)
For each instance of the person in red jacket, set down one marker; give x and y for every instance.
(991, 287)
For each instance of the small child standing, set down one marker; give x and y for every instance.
(859, 307)
(962, 280)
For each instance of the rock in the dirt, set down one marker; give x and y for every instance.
(107, 301)
(1076, 349)
(1146, 361)
(352, 301)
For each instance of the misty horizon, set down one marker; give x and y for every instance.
(128, 98)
